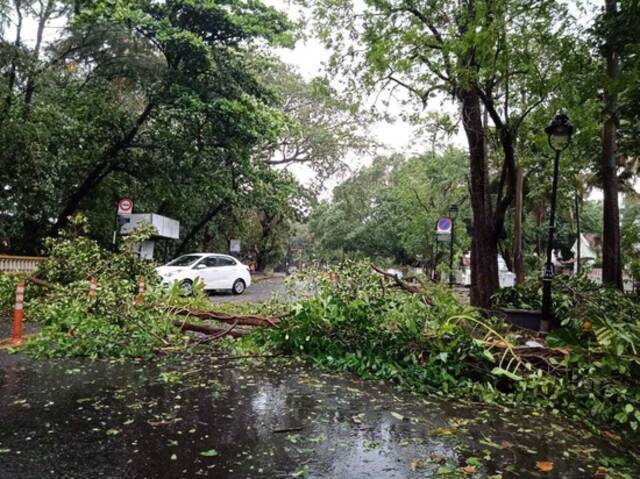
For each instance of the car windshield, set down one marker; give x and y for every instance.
(184, 260)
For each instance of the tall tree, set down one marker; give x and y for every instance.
(91, 117)
(481, 53)
(611, 256)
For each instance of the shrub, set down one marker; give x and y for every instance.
(589, 368)
(109, 325)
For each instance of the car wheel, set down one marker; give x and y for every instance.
(186, 287)
(239, 286)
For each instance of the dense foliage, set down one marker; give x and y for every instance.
(111, 324)
(588, 369)
(179, 105)
(388, 210)
(508, 66)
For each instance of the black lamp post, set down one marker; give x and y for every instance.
(559, 134)
(453, 212)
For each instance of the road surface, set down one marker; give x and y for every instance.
(262, 289)
(194, 417)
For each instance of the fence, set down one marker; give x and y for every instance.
(19, 264)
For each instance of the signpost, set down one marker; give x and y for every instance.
(444, 233)
(124, 207)
(444, 227)
(234, 247)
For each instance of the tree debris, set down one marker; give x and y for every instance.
(409, 287)
(210, 330)
(243, 320)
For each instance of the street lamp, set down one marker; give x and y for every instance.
(559, 134)
(453, 212)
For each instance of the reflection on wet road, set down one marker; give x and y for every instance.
(199, 417)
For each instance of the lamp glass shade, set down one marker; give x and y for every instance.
(559, 132)
(559, 140)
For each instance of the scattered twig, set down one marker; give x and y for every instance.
(223, 333)
(403, 284)
(42, 282)
(384, 291)
(287, 429)
(251, 356)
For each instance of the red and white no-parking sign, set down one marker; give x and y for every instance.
(125, 206)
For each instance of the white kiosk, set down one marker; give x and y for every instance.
(165, 228)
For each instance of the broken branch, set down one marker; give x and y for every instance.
(210, 330)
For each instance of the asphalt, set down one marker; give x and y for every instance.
(198, 416)
(262, 289)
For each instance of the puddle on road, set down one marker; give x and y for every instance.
(197, 418)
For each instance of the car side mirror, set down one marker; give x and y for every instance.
(200, 266)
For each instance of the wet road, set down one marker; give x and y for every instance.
(261, 290)
(198, 417)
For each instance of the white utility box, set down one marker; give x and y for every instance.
(165, 227)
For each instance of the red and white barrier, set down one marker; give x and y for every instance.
(140, 298)
(18, 316)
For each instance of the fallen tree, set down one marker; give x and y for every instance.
(378, 326)
(206, 314)
(214, 332)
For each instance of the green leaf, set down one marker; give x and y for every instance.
(209, 453)
(398, 416)
(497, 371)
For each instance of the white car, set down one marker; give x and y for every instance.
(216, 271)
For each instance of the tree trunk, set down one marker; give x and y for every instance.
(45, 14)
(264, 250)
(105, 166)
(14, 61)
(611, 259)
(212, 213)
(31, 240)
(518, 258)
(261, 260)
(484, 248)
(508, 178)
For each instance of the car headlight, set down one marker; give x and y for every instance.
(169, 274)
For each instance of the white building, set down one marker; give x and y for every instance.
(588, 253)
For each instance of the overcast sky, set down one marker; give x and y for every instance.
(394, 135)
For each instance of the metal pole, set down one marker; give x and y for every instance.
(436, 259)
(114, 244)
(548, 320)
(453, 237)
(579, 231)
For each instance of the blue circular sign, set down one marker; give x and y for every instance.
(444, 224)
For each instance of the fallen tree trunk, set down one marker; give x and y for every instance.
(410, 288)
(42, 282)
(245, 320)
(210, 330)
(402, 284)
